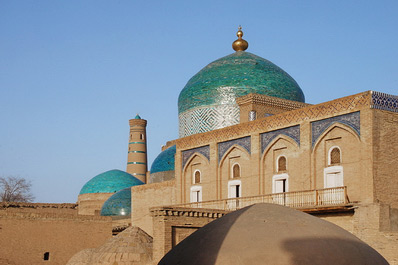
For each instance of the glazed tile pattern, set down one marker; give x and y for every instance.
(207, 119)
(384, 101)
(164, 161)
(230, 77)
(292, 132)
(223, 147)
(109, 182)
(318, 127)
(119, 204)
(204, 150)
(315, 112)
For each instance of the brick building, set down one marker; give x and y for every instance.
(247, 136)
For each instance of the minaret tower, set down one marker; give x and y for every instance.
(137, 157)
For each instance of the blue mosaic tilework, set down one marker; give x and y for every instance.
(109, 182)
(292, 132)
(223, 147)
(384, 101)
(236, 75)
(207, 119)
(204, 150)
(222, 81)
(119, 204)
(351, 119)
(164, 161)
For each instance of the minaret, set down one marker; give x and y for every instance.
(137, 157)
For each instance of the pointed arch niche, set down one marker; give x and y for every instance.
(280, 166)
(234, 172)
(336, 159)
(195, 179)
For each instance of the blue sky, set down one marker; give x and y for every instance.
(72, 73)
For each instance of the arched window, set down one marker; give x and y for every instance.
(142, 136)
(196, 177)
(282, 164)
(334, 156)
(236, 171)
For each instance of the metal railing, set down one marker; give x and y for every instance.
(295, 199)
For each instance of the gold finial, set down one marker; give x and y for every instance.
(240, 44)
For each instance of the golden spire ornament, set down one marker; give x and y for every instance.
(240, 44)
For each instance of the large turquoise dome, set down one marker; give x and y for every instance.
(119, 204)
(207, 101)
(162, 168)
(109, 182)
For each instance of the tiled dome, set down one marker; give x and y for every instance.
(109, 182)
(119, 204)
(163, 166)
(215, 88)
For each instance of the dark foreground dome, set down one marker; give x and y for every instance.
(119, 204)
(110, 182)
(272, 234)
(162, 168)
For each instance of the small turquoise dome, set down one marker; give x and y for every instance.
(208, 100)
(162, 168)
(164, 161)
(109, 182)
(119, 204)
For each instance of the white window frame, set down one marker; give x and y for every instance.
(277, 162)
(330, 152)
(193, 193)
(233, 183)
(332, 169)
(277, 177)
(193, 177)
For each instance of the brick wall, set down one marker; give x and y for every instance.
(26, 234)
(144, 197)
(385, 155)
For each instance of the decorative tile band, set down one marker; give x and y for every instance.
(384, 101)
(137, 174)
(351, 119)
(204, 150)
(137, 143)
(139, 163)
(142, 152)
(315, 112)
(292, 132)
(207, 119)
(223, 147)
